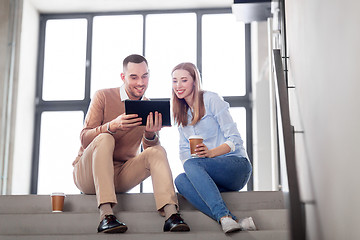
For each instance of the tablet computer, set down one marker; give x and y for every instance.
(143, 108)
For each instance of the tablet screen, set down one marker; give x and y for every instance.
(143, 108)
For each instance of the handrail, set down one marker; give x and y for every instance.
(287, 148)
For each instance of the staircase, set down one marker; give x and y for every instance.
(29, 217)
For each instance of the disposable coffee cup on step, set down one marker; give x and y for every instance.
(57, 201)
(194, 140)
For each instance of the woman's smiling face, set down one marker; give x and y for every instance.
(183, 85)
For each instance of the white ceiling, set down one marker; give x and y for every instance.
(68, 6)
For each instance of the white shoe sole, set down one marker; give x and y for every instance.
(247, 224)
(229, 225)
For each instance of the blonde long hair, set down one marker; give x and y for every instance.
(180, 107)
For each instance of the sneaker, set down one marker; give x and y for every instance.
(247, 224)
(229, 225)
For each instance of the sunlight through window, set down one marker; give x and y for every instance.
(65, 59)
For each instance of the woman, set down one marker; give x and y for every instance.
(221, 164)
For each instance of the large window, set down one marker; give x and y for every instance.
(82, 53)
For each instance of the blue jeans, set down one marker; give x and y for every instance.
(205, 178)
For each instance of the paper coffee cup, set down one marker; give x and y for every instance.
(194, 140)
(57, 201)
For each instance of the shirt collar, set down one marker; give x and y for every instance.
(123, 94)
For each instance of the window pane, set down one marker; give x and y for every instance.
(65, 59)
(59, 145)
(170, 39)
(169, 137)
(223, 54)
(239, 116)
(114, 38)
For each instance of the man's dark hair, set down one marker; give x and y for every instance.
(134, 58)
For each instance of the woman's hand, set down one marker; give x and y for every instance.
(202, 150)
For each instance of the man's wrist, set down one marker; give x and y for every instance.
(148, 137)
(108, 129)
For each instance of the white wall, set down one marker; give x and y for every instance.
(4, 18)
(324, 51)
(25, 109)
(10, 15)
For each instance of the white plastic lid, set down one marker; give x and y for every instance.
(195, 137)
(58, 194)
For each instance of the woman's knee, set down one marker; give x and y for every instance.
(180, 181)
(190, 165)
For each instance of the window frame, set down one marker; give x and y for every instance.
(82, 105)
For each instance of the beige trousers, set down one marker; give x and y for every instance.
(97, 173)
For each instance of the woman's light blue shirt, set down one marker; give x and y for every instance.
(216, 127)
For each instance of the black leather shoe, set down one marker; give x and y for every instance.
(111, 225)
(175, 224)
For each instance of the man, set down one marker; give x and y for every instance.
(109, 162)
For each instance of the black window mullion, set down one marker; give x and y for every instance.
(38, 97)
(144, 34)
(199, 41)
(143, 53)
(249, 112)
(35, 154)
(88, 63)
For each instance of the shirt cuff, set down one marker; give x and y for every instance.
(231, 145)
